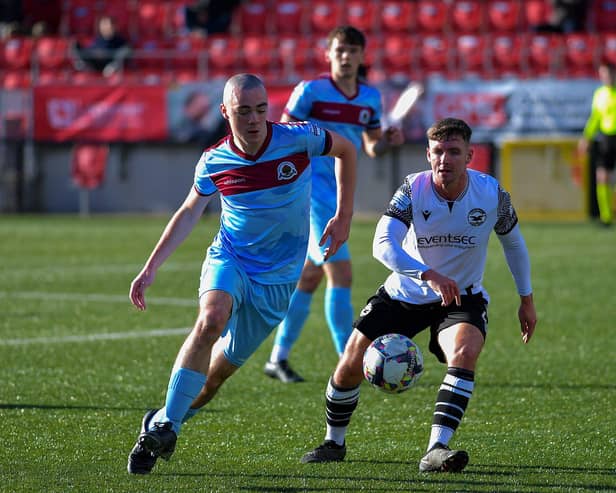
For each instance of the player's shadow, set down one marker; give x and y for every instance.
(78, 407)
(474, 479)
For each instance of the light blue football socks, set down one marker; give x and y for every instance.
(290, 328)
(184, 387)
(339, 315)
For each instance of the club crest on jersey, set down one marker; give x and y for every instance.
(476, 217)
(286, 170)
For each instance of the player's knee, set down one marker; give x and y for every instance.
(339, 274)
(210, 324)
(465, 355)
(310, 278)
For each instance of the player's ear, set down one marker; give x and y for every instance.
(223, 111)
(469, 155)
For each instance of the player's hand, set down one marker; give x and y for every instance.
(394, 136)
(137, 288)
(582, 147)
(528, 317)
(337, 231)
(445, 287)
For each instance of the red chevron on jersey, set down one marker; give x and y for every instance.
(261, 176)
(341, 113)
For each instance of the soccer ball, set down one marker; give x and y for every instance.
(393, 363)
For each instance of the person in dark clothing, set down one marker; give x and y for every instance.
(107, 52)
(210, 16)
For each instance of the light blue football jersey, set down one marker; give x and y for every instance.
(322, 102)
(265, 199)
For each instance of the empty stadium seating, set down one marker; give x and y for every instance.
(503, 16)
(398, 16)
(432, 16)
(284, 40)
(468, 16)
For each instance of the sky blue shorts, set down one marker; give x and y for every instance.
(257, 308)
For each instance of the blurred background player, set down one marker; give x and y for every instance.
(343, 102)
(601, 127)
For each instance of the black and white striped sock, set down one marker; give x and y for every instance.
(339, 406)
(451, 401)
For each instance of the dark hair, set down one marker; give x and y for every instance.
(447, 128)
(347, 34)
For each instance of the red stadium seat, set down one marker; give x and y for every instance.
(362, 15)
(472, 55)
(79, 17)
(52, 52)
(16, 53)
(152, 19)
(435, 55)
(49, 77)
(608, 49)
(325, 15)
(432, 16)
(503, 15)
(603, 15)
(151, 53)
(224, 55)
(295, 55)
(290, 17)
(544, 53)
(15, 79)
(259, 53)
(399, 55)
(251, 17)
(536, 12)
(582, 54)
(506, 56)
(188, 53)
(398, 16)
(468, 16)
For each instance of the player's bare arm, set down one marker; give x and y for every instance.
(377, 142)
(528, 317)
(178, 228)
(338, 228)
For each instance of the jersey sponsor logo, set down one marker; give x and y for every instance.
(447, 240)
(261, 175)
(341, 113)
(286, 170)
(476, 217)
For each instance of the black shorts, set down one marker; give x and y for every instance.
(383, 315)
(606, 151)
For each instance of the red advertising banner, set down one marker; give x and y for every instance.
(100, 114)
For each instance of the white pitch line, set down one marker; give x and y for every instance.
(109, 336)
(107, 298)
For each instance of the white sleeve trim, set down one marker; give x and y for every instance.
(517, 258)
(387, 248)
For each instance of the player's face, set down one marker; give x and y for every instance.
(246, 112)
(344, 59)
(448, 160)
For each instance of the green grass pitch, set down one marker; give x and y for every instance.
(79, 366)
